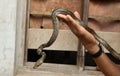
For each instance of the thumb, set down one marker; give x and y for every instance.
(77, 14)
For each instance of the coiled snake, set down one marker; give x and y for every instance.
(55, 21)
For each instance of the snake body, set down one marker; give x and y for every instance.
(55, 22)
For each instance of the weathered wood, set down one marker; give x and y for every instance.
(49, 5)
(106, 15)
(102, 18)
(104, 8)
(39, 10)
(113, 38)
(66, 39)
(40, 14)
(48, 69)
(44, 73)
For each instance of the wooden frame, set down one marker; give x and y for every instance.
(25, 69)
(35, 34)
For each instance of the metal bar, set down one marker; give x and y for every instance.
(85, 11)
(81, 49)
(85, 20)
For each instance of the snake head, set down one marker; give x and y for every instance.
(40, 61)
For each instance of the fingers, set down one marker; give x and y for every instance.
(71, 20)
(67, 18)
(62, 16)
(77, 14)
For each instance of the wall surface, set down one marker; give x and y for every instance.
(7, 36)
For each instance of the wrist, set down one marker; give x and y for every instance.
(98, 52)
(93, 49)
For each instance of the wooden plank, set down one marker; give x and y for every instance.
(66, 40)
(58, 68)
(42, 9)
(113, 38)
(43, 73)
(48, 69)
(94, 16)
(49, 5)
(108, 8)
(105, 15)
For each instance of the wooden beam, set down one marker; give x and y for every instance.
(48, 69)
(66, 39)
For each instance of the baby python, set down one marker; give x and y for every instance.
(55, 22)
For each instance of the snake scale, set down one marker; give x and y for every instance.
(55, 21)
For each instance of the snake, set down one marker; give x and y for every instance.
(55, 21)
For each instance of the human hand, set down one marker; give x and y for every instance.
(86, 38)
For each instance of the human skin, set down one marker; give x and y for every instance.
(87, 39)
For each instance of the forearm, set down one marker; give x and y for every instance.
(107, 66)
